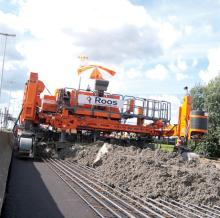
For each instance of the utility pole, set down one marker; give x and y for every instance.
(6, 35)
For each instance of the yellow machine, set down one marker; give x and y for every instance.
(192, 124)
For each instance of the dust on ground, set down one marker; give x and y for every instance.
(154, 174)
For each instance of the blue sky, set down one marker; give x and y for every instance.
(156, 47)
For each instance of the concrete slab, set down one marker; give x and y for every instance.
(5, 159)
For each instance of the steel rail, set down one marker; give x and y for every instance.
(86, 168)
(128, 205)
(89, 193)
(167, 207)
(198, 211)
(186, 205)
(126, 196)
(218, 208)
(73, 189)
(114, 190)
(100, 189)
(201, 208)
(148, 203)
(210, 208)
(183, 209)
(71, 175)
(163, 205)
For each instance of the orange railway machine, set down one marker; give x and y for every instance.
(73, 113)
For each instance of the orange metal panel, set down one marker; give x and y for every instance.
(49, 103)
(31, 99)
(78, 122)
(199, 130)
(199, 116)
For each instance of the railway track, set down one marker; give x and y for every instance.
(106, 201)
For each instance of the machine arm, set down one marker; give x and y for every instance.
(31, 99)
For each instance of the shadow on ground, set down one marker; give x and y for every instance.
(27, 195)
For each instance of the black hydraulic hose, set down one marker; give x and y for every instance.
(48, 90)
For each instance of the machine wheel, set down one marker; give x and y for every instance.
(25, 147)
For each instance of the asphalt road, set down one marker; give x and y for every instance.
(35, 191)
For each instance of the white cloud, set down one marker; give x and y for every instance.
(10, 23)
(182, 65)
(188, 29)
(207, 29)
(110, 32)
(72, 28)
(213, 69)
(173, 19)
(195, 63)
(168, 34)
(181, 76)
(82, 15)
(133, 73)
(178, 68)
(172, 67)
(159, 72)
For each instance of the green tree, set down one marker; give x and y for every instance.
(208, 98)
(197, 93)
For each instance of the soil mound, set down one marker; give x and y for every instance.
(155, 174)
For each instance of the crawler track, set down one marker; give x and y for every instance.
(116, 202)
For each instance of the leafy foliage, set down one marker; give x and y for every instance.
(208, 99)
(198, 97)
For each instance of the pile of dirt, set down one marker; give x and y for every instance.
(156, 174)
(84, 154)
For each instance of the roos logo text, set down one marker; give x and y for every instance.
(105, 101)
(95, 100)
